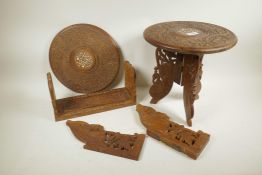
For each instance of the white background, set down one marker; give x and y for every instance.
(229, 108)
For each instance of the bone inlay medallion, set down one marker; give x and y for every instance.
(83, 59)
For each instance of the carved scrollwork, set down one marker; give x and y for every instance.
(188, 36)
(162, 57)
(164, 74)
(114, 143)
(197, 83)
(118, 141)
(184, 136)
(177, 136)
(184, 69)
(191, 81)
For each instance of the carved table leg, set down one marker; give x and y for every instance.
(168, 69)
(192, 72)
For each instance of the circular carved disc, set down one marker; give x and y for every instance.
(84, 58)
(190, 37)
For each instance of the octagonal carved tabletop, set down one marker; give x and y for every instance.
(84, 58)
(190, 37)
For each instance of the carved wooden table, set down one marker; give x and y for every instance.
(180, 49)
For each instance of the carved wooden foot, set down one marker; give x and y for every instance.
(192, 72)
(168, 69)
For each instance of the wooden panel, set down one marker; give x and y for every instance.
(174, 135)
(114, 143)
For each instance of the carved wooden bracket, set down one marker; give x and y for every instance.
(97, 139)
(70, 107)
(174, 135)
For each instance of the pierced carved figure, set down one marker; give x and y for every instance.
(97, 139)
(174, 135)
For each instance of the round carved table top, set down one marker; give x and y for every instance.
(190, 37)
(84, 58)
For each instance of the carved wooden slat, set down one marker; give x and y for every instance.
(168, 69)
(174, 135)
(97, 139)
(52, 92)
(178, 69)
(185, 70)
(192, 72)
(130, 80)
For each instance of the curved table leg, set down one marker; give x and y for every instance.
(164, 74)
(192, 73)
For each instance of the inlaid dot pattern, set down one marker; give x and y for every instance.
(84, 60)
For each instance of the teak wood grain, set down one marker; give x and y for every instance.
(114, 143)
(76, 106)
(190, 37)
(174, 135)
(181, 46)
(84, 58)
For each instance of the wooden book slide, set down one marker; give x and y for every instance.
(70, 107)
